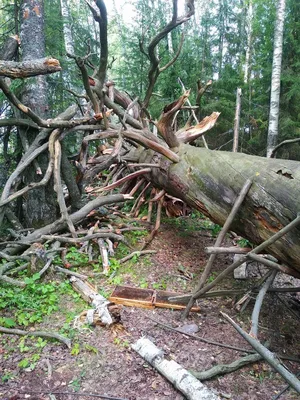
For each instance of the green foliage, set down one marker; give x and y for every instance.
(244, 243)
(31, 304)
(75, 349)
(76, 258)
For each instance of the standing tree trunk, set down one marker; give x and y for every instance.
(68, 36)
(275, 82)
(39, 207)
(247, 71)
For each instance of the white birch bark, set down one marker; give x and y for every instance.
(249, 41)
(191, 387)
(275, 82)
(68, 36)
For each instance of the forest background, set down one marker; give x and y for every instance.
(228, 42)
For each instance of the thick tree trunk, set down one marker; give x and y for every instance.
(210, 181)
(40, 206)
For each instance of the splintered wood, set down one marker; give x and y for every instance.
(146, 298)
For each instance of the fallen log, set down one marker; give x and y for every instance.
(191, 387)
(210, 181)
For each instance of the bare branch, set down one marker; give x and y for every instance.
(26, 69)
(155, 70)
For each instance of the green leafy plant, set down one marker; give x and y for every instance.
(90, 348)
(244, 243)
(76, 258)
(75, 349)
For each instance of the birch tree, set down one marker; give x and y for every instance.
(275, 81)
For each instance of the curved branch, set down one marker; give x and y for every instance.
(49, 123)
(86, 83)
(171, 62)
(152, 145)
(154, 70)
(76, 217)
(50, 335)
(288, 141)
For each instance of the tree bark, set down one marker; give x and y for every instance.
(28, 68)
(40, 206)
(275, 82)
(210, 181)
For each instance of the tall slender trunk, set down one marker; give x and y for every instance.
(247, 70)
(68, 36)
(275, 82)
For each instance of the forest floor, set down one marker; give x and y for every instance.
(101, 360)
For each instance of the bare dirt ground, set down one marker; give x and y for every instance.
(102, 362)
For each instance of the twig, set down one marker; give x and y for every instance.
(124, 179)
(266, 354)
(50, 335)
(200, 339)
(138, 253)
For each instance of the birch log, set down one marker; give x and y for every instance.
(191, 387)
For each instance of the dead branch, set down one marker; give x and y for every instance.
(124, 179)
(227, 250)
(194, 115)
(59, 190)
(48, 335)
(266, 355)
(164, 125)
(201, 339)
(152, 145)
(288, 141)
(222, 369)
(76, 217)
(49, 123)
(83, 394)
(26, 69)
(136, 253)
(258, 304)
(274, 265)
(107, 234)
(155, 68)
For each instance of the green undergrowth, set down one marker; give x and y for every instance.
(194, 222)
(23, 307)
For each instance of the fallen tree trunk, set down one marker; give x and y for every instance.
(178, 376)
(210, 181)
